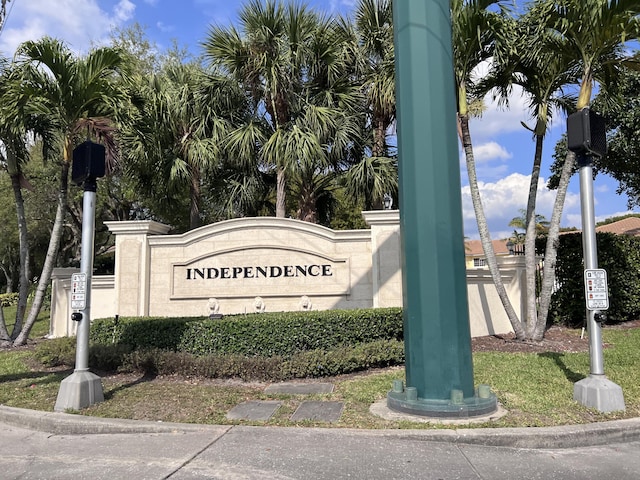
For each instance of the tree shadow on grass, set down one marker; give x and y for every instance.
(558, 358)
(54, 377)
(146, 377)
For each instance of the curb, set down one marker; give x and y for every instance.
(69, 424)
(572, 436)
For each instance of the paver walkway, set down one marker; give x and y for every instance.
(263, 410)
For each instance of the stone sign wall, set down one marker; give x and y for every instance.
(259, 264)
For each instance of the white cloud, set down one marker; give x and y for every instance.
(163, 27)
(124, 11)
(502, 200)
(574, 220)
(77, 22)
(490, 159)
(490, 151)
(498, 120)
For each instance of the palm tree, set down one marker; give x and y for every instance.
(65, 99)
(192, 110)
(375, 174)
(297, 122)
(542, 77)
(13, 137)
(541, 224)
(3, 12)
(479, 33)
(594, 32)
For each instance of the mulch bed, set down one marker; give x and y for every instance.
(556, 339)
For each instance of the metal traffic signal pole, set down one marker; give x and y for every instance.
(439, 369)
(586, 137)
(83, 388)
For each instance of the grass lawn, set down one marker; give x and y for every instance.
(535, 388)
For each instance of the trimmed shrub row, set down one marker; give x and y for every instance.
(266, 335)
(313, 363)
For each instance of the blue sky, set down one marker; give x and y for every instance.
(503, 148)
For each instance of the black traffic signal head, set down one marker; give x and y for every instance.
(88, 162)
(586, 133)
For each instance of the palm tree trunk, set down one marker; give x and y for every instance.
(551, 252)
(530, 239)
(50, 259)
(281, 194)
(23, 282)
(195, 197)
(483, 230)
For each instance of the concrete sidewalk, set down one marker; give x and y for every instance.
(44, 445)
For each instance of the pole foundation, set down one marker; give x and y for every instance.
(597, 391)
(484, 402)
(79, 390)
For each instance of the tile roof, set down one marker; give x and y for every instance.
(626, 226)
(474, 247)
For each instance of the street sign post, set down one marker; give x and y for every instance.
(596, 291)
(78, 291)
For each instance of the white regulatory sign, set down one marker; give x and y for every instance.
(596, 291)
(78, 291)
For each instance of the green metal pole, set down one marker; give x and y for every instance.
(439, 369)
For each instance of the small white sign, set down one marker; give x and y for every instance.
(78, 291)
(596, 291)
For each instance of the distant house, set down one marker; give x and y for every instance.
(626, 226)
(474, 254)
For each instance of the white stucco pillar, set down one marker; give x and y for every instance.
(386, 258)
(132, 264)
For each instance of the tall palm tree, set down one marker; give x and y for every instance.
(594, 32)
(66, 98)
(13, 134)
(542, 77)
(376, 173)
(177, 139)
(479, 33)
(276, 57)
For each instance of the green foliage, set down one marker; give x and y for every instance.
(8, 299)
(345, 359)
(269, 346)
(619, 255)
(313, 363)
(266, 334)
(141, 332)
(62, 352)
(56, 352)
(291, 332)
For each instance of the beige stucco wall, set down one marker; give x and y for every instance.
(103, 300)
(266, 264)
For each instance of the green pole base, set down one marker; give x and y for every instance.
(79, 390)
(483, 403)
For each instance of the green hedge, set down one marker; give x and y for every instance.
(312, 363)
(8, 299)
(267, 334)
(619, 255)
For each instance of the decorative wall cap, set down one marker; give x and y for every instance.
(382, 217)
(260, 223)
(138, 227)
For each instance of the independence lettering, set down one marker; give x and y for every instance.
(270, 271)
